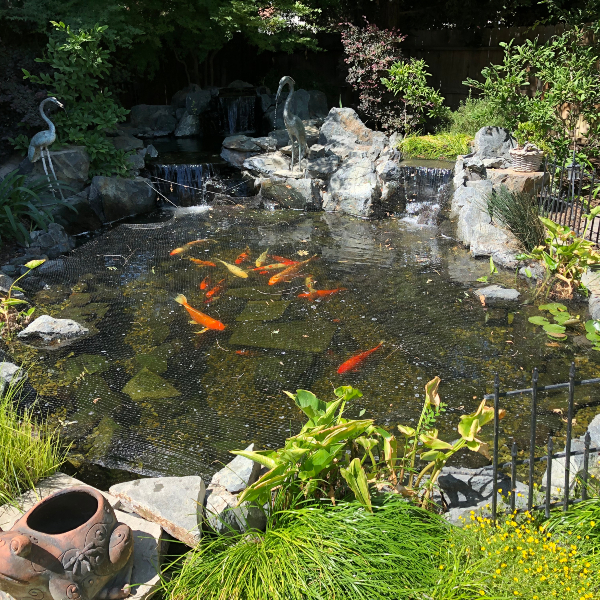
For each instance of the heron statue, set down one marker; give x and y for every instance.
(293, 123)
(40, 142)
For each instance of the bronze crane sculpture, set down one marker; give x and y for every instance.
(40, 142)
(293, 123)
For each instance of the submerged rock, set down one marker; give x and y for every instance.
(147, 384)
(52, 332)
(495, 294)
(259, 310)
(175, 503)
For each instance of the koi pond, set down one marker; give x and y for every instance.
(149, 390)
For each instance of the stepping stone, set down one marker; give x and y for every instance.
(263, 310)
(263, 292)
(237, 475)
(495, 294)
(304, 336)
(146, 384)
(174, 503)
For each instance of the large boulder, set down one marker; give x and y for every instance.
(197, 102)
(494, 142)
(353, 189)
(517, 181)
(179, 98)
(317, 104)
(51, 332)
(290, 192)
(80, 220)
(127, 142)
(266, 165)
(188, 125)
(343, 127)
(242, 143)
(237, 158)
(323, 167)
(71, 165)
(114, 198)
(53, 242)
(153, 120)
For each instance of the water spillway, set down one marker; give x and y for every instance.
(238, 114)
(184, 184)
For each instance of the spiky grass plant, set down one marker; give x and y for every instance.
(519, 213)
(29, 450)
(441, 146)
(342, 552)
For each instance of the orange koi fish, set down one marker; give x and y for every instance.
(320, 293)
(202, 263)
(286, 261)
(205, 282)
(243, 256)
(353, 363)
(247, 352)
(263, 272)
(272, 267)
(199, 317)
(290, 272)
(215, 290)
(186, 247)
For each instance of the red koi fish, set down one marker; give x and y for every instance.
(320, 293)
(353, 363)
(199, 317)
(290, 272)
(215, 290)
(205, 282)
(202, 263)
(247, 352)
(286, 261)
(245, 255)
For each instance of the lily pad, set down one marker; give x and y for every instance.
(304, 336)
(258, 292)
(263, 310)
(147, 384)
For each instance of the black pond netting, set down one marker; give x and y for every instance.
(146, 391)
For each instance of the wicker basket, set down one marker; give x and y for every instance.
(526, 159)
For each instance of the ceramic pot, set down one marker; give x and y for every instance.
(68, 546)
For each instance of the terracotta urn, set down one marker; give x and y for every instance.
(69, 546)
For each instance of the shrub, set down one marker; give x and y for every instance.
(79, 63)
(29, 450)
(472, 115)
(370, 52)
(519, 213)
(441, 146)
(341, 552)
(26, 206)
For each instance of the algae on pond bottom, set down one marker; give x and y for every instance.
(263, 310)
(148, 385)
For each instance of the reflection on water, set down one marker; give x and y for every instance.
(147, 392)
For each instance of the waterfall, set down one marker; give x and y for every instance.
(422, 188)
(238, 114)
(184, 184)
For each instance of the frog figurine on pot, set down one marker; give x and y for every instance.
(68, 546)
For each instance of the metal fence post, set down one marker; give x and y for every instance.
(587, 440)
(534, 383)
(495, 456)
(549, 476)
(513, 476)
(569, 433)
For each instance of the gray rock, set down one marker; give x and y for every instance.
(536, 271)
(49, 330)
(242, 143)
(268, 144)
(114, 198)
(300, 103)
(594, 431)
(238, 474)
(197, 102)
(10, 373)
(474, 169)
(291, 192)
(266, 165)
(388, 170)
(236, 158)
(238, 84)
(53, 242)
(266, 102)
(353, 188)
(188, 126)
(136, 162)
(323, 168)
(281, 137)
(312, 134)
(8, 269)
(80, 220)
(469, 487)
(179, 113)
(342, 127)
(317, 103)
(496, 295)
(153, 120)
(174, 503)
(71, 164)
(493, 163)
(395, 139)
(515, 181)
(52, 267)
(224, 514)
(127, 142)
(151, 151)
(317, 151)
(179, 98)
(494, 142)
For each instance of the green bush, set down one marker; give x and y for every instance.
(29, 450)
(519, 213)
(472, 115)
(441, 146)
(24, 207)
(342, 552)
(79, 63)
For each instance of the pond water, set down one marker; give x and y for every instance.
(146, 392)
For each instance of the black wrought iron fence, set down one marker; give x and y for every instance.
(567, 194)
(548, 502)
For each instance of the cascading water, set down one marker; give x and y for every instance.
(422, 188)
(238, 114)
(184, 184)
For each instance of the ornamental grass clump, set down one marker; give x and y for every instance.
(442, 146)
(29, 450)
(518, 558)
(319, 552)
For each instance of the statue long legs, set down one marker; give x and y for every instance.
(53, 173)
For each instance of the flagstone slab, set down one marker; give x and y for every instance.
(263, 310)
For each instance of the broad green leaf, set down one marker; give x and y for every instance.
(357, 481)
(309, 404)
(266, 461)
(538, 320)
(32, 264)
(405, 430)
(347, 393)
(432, 455)
(554, 328)
(12, 301)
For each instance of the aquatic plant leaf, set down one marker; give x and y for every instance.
(309, 404)
(357, 481)
(32, 264)
(554, 307)
(554, 328)
(432, 455)
(316, 463)
(538, 320)
(592, 326)
(258, 457)
(347, 392)
(431, 395)
(407, 431)
(146, 384)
